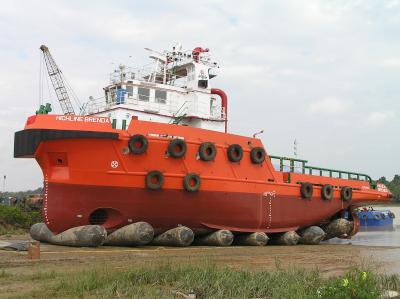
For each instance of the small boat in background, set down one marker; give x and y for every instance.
(373, 220)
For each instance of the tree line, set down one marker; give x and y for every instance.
(393, 185)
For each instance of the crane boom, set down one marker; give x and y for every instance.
(57, 81)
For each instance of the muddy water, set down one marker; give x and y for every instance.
(378, 238)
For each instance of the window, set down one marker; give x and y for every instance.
(124, 124)
(161, 96)
(203, 83)
(129, 90)
(144, 94)
(114, 123)
(107, 96)
(111, 95)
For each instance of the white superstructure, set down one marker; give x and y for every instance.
(175, 88)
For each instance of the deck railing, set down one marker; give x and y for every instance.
(313, 170)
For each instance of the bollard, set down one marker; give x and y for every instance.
(34, 250)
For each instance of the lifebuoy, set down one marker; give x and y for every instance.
(235, 153)
(346, 194)
(306, 190)
(191, 182)
(257, 155)
(137, 144)
(154, 180)
(177, 148)
(377, 217)
(391, 215)
(207, 151)
(327, 192)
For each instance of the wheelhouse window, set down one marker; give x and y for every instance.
(129, 90)
(143, 94)
(203, 83)
(110, 95)
(161, 96)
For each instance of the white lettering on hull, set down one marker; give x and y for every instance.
(86, 119)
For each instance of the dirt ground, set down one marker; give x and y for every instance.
(331, 259)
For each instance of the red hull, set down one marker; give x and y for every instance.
(236, 211)
(91, 171)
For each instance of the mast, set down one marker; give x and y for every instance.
(57, 81)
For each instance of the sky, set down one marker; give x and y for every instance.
(325, 73)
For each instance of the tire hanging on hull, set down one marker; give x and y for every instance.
(176, 148)
(306, 190)
(138, 144)
(207, 151)
(154, 180)
(191, 182)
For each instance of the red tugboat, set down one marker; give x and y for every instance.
(156, 148)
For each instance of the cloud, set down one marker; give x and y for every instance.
(393, 62)
(378, 118)
(328, 106)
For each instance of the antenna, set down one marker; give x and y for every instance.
(296, 163)
(4, 183)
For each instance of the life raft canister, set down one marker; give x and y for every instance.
(207, 151)
(191, 182)
(138, 144)
(327, 192)
(154, 180)
(306, 190)
(176, 148)
(235, 153)
(257, 155)
(346, 193)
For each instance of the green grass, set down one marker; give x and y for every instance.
(205, 280)
(211, 282)
(14, 220)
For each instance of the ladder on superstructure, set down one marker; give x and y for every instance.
(57, 81)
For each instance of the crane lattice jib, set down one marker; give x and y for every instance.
(57, 81)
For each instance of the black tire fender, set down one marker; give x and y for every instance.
(191, 182)
(257, 155)
(235, 153)
(154, 180)
(138, 144)
(346, 194)
(306, 190)
(327, 192)
(176, 148)
(207, 151)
